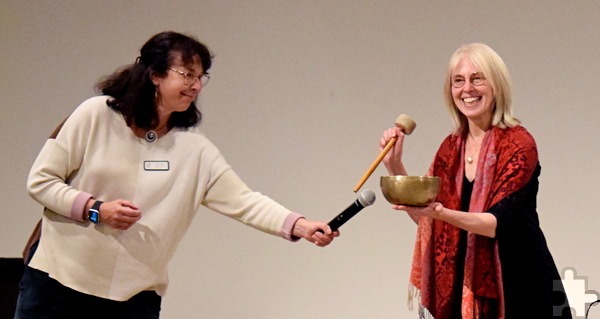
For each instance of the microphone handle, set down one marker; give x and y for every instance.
(344, 216)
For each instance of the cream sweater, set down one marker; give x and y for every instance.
(96, 154)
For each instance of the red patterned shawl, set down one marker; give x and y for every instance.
(507, 160)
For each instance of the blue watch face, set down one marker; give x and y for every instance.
(94, 216)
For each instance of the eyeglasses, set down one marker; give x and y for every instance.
(476, 79)
(190, 78)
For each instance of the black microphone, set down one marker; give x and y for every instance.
(365, 199)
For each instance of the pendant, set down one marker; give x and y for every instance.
(151, 136)
(470, 159)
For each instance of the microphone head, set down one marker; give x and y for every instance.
(366, 198)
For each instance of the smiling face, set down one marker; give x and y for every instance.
(475, 102)
(173, 95)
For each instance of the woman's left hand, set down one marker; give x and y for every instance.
(318, 233)
(432, 210)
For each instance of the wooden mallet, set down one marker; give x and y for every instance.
(406, 125)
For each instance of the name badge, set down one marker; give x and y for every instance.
(156, 165)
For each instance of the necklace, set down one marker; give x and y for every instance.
(470, 159)
(151, 136)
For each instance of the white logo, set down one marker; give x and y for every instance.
(576, 289)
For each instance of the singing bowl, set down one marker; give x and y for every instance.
(410, 190)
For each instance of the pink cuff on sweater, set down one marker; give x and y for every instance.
(288, 226)
(79, 206)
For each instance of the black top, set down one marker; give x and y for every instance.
(467, 190)
(531, 282)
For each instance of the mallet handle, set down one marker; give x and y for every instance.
(375, 163)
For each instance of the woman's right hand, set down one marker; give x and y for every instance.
(393, 159)
(119, 214)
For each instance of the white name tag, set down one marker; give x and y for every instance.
(156, 165)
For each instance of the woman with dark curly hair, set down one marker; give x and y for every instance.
(122, 181)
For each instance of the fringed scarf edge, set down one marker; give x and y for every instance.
(415, 293)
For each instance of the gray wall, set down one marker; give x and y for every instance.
(300, 93)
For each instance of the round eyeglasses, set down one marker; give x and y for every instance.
(190, 79)
(476, 79)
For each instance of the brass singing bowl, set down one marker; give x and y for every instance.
(410, 190)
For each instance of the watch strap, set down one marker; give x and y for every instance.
(94, 212)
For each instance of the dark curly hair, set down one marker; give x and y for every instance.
(131, 87)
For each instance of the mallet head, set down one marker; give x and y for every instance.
(405, 123)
